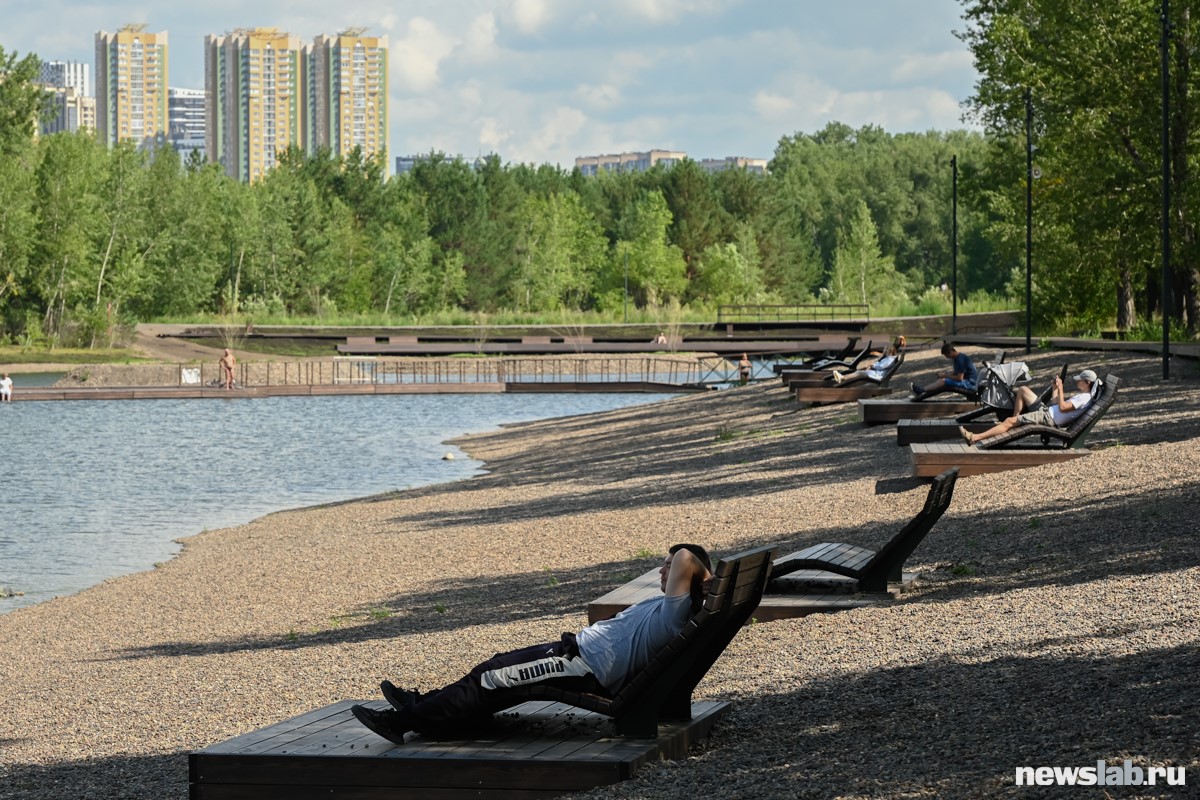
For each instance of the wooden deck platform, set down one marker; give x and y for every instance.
(814, 592)
(723, 347)
(536, 750)
(839, 394)
(874, 411)
(928, 460)
(912, 431)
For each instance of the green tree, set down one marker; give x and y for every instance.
(861, 273)
(655, 266)
(23, 103)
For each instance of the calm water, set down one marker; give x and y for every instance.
(94, 489)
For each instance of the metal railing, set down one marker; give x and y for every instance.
(798, 312)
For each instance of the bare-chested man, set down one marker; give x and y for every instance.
(228, 362)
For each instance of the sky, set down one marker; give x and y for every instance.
(539, 81)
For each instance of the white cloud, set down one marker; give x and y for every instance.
(416, 57)
(930, 66)
(529, 15)
(480, 39)
(666, 11)
(491, 137)
(603, 96)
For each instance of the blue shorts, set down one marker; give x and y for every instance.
(957, 384)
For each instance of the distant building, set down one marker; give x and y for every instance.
(131, 86)
(628, 162)
(76, 112)
(67, 75)
(758, 165)
(186, 121)
(255, 80)
(405, 164)
(348, 83)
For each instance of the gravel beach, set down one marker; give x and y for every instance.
(1056, 621)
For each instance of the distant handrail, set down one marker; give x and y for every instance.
(795, 312)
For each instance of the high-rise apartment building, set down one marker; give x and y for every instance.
(75, 112)
(349, 91)
(257, 103)
(628, 162)
(131, 85)
(67, 75)
(185, 120)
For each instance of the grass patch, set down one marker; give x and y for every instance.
(963, 569)
(67, 355)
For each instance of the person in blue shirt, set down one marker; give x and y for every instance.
(599, 660)
(961, 376)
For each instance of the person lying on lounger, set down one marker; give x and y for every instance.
(599, 660)
(877, 370)
(1028, 411)
(962, 375)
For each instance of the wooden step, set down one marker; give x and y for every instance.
(888, 411)
(838, 394)
(931, 459)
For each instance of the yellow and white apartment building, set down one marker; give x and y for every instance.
(131, 86)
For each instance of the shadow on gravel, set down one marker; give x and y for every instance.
(959, 730)
(1047, 542)
(133, 778)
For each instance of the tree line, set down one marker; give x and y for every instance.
(91, 237)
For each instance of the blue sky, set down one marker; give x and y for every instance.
(547, 80)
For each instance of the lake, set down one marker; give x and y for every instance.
(94, 489)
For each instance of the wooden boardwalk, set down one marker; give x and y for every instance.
(929, 460)
(875, 411)
(825, 593)
(536, 750)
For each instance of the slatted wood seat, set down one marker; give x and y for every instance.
(913, 431)
(663, 689)
(807, 363)
(969, 394)
(873, 570)
(835, 363)
(889, 411)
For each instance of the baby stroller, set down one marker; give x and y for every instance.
(997, 388)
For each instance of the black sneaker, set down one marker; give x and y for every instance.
(386, 723)
(399, 698)
(917, 390)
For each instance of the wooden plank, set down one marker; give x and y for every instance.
(856, 391)
(930, 459)
(913, 431)
(873, 411)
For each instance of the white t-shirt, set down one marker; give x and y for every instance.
(617, 648)
(1063, 418)
(880, 367)
(5, 386)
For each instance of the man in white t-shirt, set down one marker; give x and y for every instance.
(1062, 413)
(5, 389)
(599, 660)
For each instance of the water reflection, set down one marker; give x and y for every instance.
(94, 489)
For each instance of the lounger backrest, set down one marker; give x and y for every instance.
(735, 592)
(858, 359)
(889, 560)
(891, 369)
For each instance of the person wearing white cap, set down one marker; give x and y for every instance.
(1063, 412)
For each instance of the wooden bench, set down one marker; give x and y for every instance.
(1068, 437)
(932, 458)
(807, 363)
(888, 411)
(872, 570)
(838, 394)
(663, 689)
(912, 431)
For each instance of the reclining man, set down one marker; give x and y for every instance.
(962, 375)
(1063, 412)
(599, 660)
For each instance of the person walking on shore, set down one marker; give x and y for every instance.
(599, 660)
(228, 362)
(5, 389)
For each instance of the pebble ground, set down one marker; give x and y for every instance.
(1056, 622)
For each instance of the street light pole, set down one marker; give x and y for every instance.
(1166, 192)
(1029, 222)
(954, 244)
(626, 287)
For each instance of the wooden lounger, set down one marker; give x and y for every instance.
(663, 689)
(873, 570)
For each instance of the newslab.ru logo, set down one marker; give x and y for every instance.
(1100, 775)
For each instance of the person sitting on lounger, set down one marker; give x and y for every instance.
(1027, 410)
(962, 375)
(877, 370)
(599, 660)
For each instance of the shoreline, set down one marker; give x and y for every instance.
(1046, 601)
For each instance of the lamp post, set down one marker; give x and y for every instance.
(1166, 191)
(954, 244)
(626, 304)
(1029, 222)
